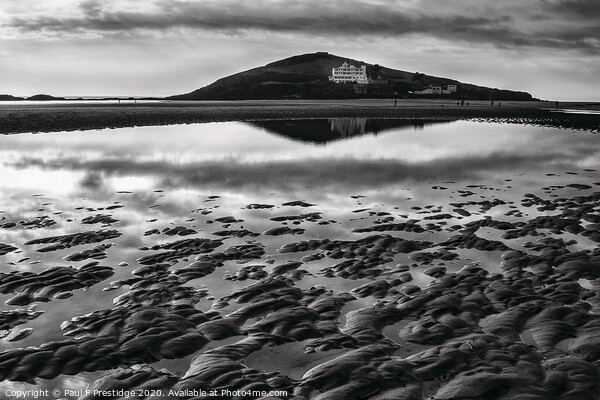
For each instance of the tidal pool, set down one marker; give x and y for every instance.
(188, 217)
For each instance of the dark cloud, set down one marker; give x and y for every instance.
(586, 9)
(504, 26)
(91, 8)
(353, 17)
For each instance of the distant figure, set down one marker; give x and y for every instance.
(499, 103)
(467, 103)
(492, 103)
(457, 103)
(395, 102)
(556, 105)
(462, 103)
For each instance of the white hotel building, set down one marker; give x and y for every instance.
(349, 73)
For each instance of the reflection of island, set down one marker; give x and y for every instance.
(327, 130)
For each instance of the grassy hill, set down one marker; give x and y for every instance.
(306, 76)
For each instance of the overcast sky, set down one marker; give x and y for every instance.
(550, 48)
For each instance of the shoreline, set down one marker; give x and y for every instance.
(29, 118)
(233, 257)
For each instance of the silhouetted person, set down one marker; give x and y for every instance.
(395, 102)
(462, 103)
(492, 103)
(499, 103)
(556, 104)
(467, 103)
(457, 103)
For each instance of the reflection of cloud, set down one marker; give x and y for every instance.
(61, 382)
(332, 173)
(92, 180)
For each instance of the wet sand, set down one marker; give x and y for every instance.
(440, 324)
(456, 289)
(46, 117)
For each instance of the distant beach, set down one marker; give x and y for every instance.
(73, 115)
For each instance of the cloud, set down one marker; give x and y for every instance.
(586, 9)
(510, 24)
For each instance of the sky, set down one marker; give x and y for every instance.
(549, 48)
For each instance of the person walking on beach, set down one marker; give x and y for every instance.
(499, 103)
(492, 103)
(462, 103)
(395, 102)
(556, 105)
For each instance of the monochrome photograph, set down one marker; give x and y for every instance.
(299, 199)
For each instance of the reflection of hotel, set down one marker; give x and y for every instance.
(349, 73)
(347, 127)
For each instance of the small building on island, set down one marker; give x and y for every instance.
(450, 89)
(348, 73)
(378, 80)
(436, 89)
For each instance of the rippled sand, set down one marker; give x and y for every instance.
(343, 271)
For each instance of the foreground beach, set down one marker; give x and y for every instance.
(440, 255)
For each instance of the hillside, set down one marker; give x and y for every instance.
(8, 97)
(37, 97)
(44, 97)
(306, 76)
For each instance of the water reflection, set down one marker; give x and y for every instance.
(159, 177)
(239, 157)
(328, 130)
